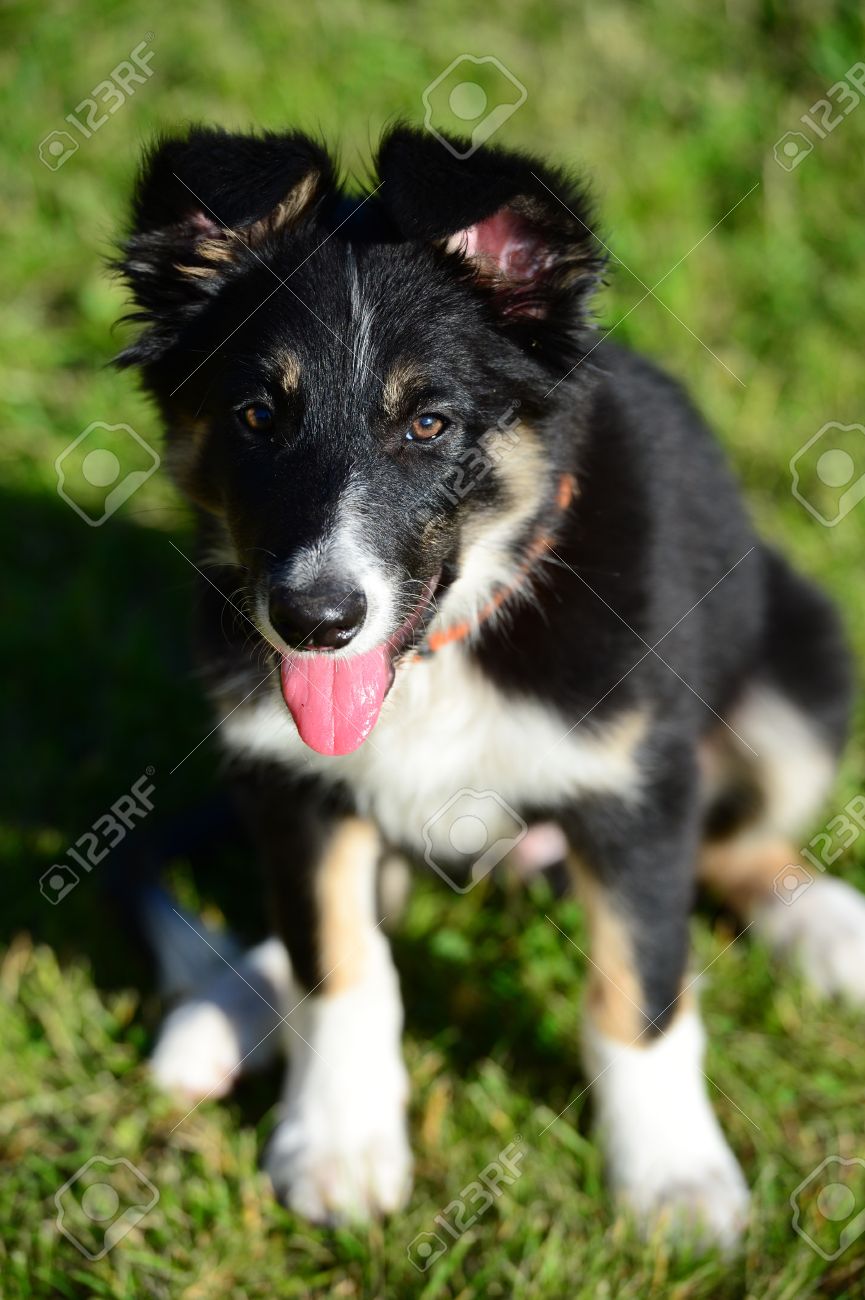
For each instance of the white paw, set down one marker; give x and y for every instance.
(341, 1168)
(232, 1027)
(340, 1151)
(702, 1201)
(197, 1053)
(823, 930)
(668, 1160)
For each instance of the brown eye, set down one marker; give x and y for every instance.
(258, 417)
(426, 427)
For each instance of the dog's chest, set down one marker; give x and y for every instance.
(448, 738)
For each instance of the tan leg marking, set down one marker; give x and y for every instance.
(742, 870)
(614, 995)
(614, 998)
(346, 887)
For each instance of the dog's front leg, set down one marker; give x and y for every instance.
(666, 1155)
(340, 1148)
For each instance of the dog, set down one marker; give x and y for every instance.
(469, 571)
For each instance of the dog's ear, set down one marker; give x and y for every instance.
(524, 228)
(206, 206)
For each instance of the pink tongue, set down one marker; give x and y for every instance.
(335, 703)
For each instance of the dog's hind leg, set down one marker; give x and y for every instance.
(230, 1004)
(768, 776)
(227, 1025)
(815, 920)
(223, 999)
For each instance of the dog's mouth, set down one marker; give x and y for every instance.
(336, 701)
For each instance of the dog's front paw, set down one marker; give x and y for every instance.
(335, 1170)
(701, 1207)
(668, 1161)
(340, 1151)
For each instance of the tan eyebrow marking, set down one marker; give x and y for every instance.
(402, 377)
(291, 373)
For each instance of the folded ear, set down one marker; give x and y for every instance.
(205, 206)
(524, 228)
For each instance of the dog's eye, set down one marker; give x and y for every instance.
(426, 427)
(258, 417)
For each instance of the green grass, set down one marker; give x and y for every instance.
(672, 110)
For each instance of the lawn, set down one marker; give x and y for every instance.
(673, 111)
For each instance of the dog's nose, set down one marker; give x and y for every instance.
(320, 618)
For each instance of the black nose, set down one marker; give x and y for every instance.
(324, 617)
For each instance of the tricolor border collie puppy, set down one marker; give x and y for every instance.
(461, 559)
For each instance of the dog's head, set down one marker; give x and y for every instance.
(359, 389)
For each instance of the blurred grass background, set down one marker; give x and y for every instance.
(672, 110)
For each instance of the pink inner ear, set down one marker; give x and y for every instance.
(507, 242)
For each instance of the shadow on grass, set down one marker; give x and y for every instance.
(100, 687)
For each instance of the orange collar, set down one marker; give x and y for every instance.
(542, 541)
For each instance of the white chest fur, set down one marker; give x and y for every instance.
(446, 729)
